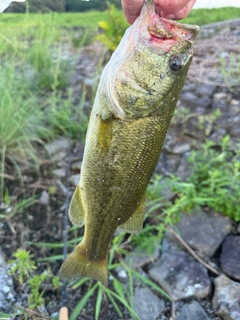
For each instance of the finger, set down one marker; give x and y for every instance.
(180, 14)
(131, 9)
(173, 7)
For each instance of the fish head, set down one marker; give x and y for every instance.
(149, 67)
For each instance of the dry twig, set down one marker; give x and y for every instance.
(192, 252)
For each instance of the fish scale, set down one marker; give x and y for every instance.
(133, 107)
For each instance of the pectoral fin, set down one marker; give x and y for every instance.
(135, 222)
(76, 211)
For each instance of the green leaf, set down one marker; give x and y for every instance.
(114, 304)
(123, 301)
(77, 310)
(6, 316)
(104, 25)
(151, 284)
(98, 301)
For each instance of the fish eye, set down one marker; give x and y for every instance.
(175, 62)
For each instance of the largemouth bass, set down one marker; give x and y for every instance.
(134, 104)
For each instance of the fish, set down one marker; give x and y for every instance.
(5, 3)
(134, 103)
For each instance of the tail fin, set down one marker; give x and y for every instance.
(78, 264)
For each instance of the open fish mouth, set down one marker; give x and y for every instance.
(161, 32)
(164, 29)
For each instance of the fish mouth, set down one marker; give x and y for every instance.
(161, 32)
(164, 30)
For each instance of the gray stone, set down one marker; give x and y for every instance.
(57, 146)
(146, 304)
(238, 229)
(197, 130)
(139, 258)
(167, 164)
(226, 299)
(59, 156)
(44, 197)
(205, 90)
(203, 230)
(60, 173)
(180, 275)
(218, 134)
(7, 293)
(191, 311)
(230, 257)
(176, 147)
(180, 148)
(122, 274)
(192, 100)
(222, 96)
(234, 107)
(184, 170)
(235, 131)
(76, 166)
(74, 179)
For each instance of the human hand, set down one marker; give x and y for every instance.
(171, 9)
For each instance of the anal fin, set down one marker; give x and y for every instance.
(135, 222)
(76, 211)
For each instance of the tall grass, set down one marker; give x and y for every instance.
(34, 78)
(20, 116)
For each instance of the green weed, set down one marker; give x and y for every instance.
(230, 69)
(22, 265)
(37, 291)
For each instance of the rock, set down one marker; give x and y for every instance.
(184, 171)
(205, 90)
(191, 311)
(59, 156)
(218, 134)
(57, 146)
(238, 229)
(222, 96)
(230, 257)
(188, 87)
(176, 147)
(122, 274)
(226, 299)
(60, 173)
(191, 100)
(7, 294)
(234, 107)
(44, 197)
(167, 164)
(76, 166)
(181, 148)
(180, 275)
(203, 230)
(235, 131)
(146, 304)
(74, 179)
(139, 258)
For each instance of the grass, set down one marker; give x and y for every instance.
(205, 16)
